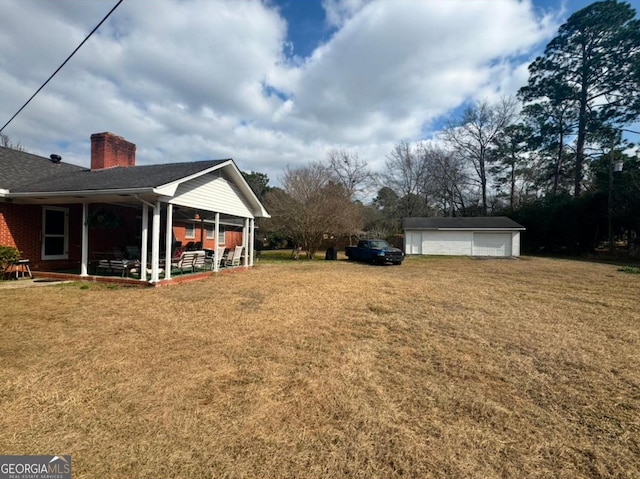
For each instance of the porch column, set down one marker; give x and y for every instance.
(155, 243)
(145, 242)
(216, 241)
(84, 261)
(168, 242)
(245, 243)
(252, 234)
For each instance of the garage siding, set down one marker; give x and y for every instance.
(454, 243)
(492, 244)
(515, 243)
(462, 243)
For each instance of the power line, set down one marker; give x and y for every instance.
(63, 64)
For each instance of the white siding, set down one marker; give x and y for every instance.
(452, 243)
(455, 243)
(492, 244)
(413, 242)
(214, 194)
(515, 243)
(462, 243)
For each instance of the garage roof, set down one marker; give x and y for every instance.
(464, 223)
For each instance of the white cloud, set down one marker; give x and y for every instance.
(190, 80)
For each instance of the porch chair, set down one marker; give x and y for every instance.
(199, 260)
(182, 262)
(221, 258)
(187, 261)
(237, 256)
(228, 259)
(113, 266)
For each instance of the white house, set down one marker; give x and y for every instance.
(483, 236)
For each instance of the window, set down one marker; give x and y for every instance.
(190, 231)
(210, 231)
(55, 233)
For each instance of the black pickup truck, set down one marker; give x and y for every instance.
(374, 251)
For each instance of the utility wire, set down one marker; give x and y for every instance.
(63, 64)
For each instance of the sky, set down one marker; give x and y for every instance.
(273, 84)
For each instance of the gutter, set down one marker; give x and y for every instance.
(81, 193)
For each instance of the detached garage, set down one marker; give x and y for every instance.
(485, 236)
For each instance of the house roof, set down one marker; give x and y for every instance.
(18, 168)
(25, 178)
(22, 172)
(475, 223)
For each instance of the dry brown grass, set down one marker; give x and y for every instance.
(452, 368)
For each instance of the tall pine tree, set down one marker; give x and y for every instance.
(592, 67)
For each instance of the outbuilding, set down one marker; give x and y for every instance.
(496, 236)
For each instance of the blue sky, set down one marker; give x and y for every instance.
(272, 84)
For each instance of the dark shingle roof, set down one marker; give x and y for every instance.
(484, 222)
(25, 173)
(19, 168)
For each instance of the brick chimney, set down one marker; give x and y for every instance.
(109, 150)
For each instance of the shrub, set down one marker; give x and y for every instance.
(8, 255)
(630, 269)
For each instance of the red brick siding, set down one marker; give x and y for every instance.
(232, 238)
(20, 228)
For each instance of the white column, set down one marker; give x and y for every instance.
(216, 240)
(155, 243)
(84, 262)
(245, 243)
(145, 242)
(168, 242)
(252, 234)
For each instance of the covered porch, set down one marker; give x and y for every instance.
(204, 209)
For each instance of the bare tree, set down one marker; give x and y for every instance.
(474, 136)
(7, 143)
(349, 171)
(447, 180)
(309, 206)
(406, 174)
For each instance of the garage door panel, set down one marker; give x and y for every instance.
(492, 244)
(446, 242)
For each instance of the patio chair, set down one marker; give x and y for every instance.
(237, 256)
(186, 261)
(199, 260)
(221, 257)
(228, 259)
(112, 265)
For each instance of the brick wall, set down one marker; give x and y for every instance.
(20, 227)
(232, 238)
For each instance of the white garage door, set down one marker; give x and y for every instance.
(492, 244)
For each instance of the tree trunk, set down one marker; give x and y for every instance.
(582, 126)
(513, 181)
(556, 173)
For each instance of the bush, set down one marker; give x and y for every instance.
(8, 255)
(630, 269)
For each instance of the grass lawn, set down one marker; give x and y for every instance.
(441, 367)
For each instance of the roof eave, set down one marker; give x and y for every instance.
(81, 193)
